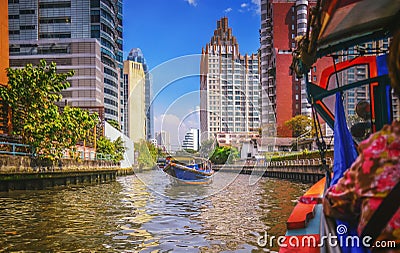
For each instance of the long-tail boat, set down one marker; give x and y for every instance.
(189, 170)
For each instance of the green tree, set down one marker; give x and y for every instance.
(354, 119)
(119, 149)
(57, 131)
(154, 151)
(105, 146)
(115, 149)
(224, 154)
(31, 94)
(299, 125)
(147, 153)
(114, 124)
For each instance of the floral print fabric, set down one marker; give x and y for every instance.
(369, 180)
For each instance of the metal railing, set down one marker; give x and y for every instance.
(15, 149)
(90, 155)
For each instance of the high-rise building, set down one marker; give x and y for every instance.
(192, 140)
(80, 35)
(164, 140)
(283, 95)
(136, 55)
(229, 86)
(360, 72)
(3, 60)
(134, 80)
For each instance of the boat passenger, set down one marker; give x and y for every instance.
(373, 175)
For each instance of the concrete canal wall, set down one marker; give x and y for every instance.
(11, 164)
(24, 173)
(307, 171)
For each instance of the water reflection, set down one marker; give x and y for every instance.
(125, 216)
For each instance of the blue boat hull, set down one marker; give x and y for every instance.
(191, 174)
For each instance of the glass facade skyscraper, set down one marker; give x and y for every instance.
(83, 35)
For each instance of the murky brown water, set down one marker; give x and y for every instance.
(129, 216)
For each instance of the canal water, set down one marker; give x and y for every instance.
(148, 212)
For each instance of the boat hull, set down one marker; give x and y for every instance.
(190, 174)
(303, 225)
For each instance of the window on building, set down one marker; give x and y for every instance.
(27, 27)
(58, 20)
(54, 35)
(26, 11)
(64, 4)
(14, 50)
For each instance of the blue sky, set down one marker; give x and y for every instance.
(168, 29)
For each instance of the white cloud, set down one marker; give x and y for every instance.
(256, 2)
(258, 5)
(254, 6)
(228, 10)
(169, 123)
(192, 2)
(176, 127)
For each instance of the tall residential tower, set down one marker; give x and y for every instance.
(283, 95)
(229, 86)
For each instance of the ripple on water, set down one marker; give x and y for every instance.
(128, 216)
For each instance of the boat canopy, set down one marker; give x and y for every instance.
(338, 24)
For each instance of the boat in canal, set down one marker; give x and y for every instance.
(335, 26)
(189, 170)
(161, 162)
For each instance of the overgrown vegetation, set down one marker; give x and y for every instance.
(115, 149)
(224, 154)
(148, 153)
(114, 124)
(31, 95)
(300, 125)
(305, 154)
